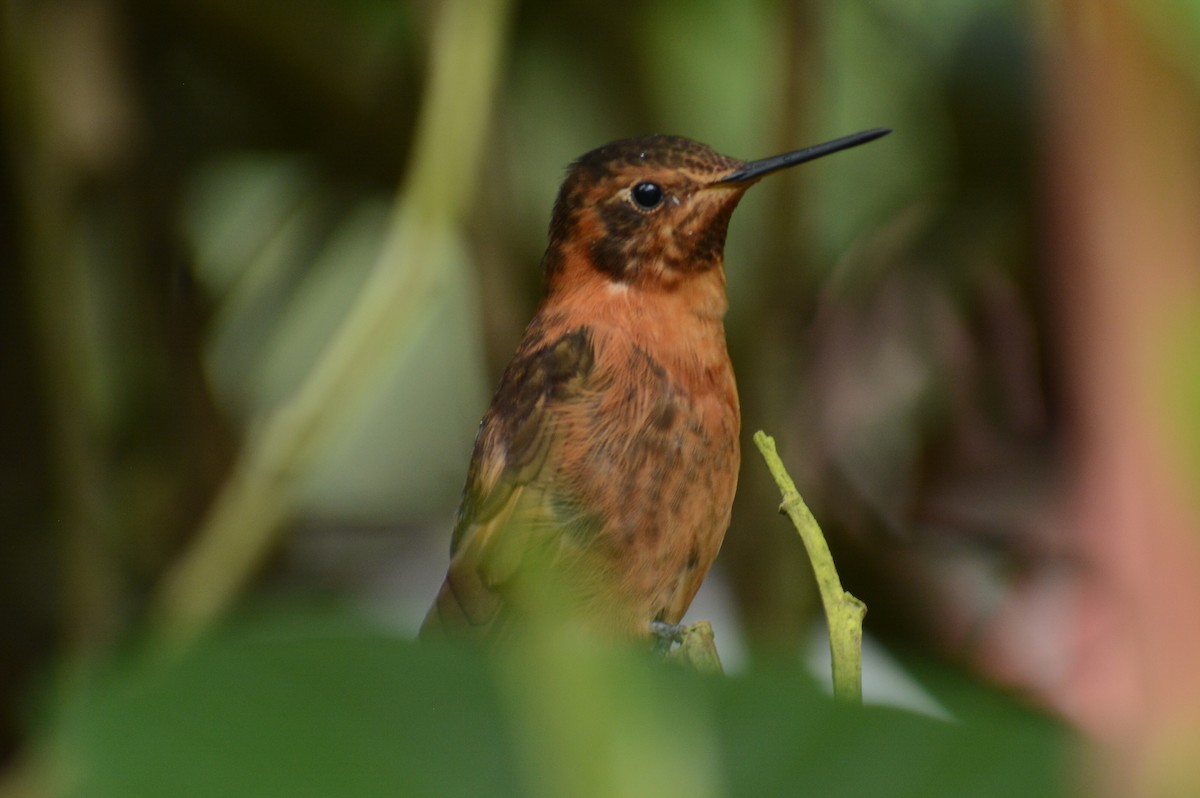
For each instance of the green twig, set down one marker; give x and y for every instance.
(698, 649)
(843, 612)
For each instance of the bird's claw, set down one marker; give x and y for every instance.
(666, 634)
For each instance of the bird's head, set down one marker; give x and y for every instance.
(653, 212)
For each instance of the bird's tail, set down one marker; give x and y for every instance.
(464, 608)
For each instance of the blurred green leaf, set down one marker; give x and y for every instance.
(318, 706)
(386, 463)
(321, 708)
(289, 261)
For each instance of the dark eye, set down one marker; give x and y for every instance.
(647, 195)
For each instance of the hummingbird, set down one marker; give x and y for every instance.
(609, 455)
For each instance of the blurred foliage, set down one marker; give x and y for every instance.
(198, 200)
(272, 218)
(318, 704)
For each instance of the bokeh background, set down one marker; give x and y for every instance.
(265, 261)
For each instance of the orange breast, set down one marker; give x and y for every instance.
(656, 450)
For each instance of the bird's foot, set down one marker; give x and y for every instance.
(666, 634)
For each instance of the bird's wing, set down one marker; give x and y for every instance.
(516, 505)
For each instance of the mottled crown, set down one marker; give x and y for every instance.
(675, 152)
(617, 232)
(600, 165)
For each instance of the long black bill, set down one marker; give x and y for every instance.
(756, 169)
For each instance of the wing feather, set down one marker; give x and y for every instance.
(516, 503)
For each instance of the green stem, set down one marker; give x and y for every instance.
(698, 649)
(247, 519)
(843, 612)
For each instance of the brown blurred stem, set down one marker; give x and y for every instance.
(843, 612)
